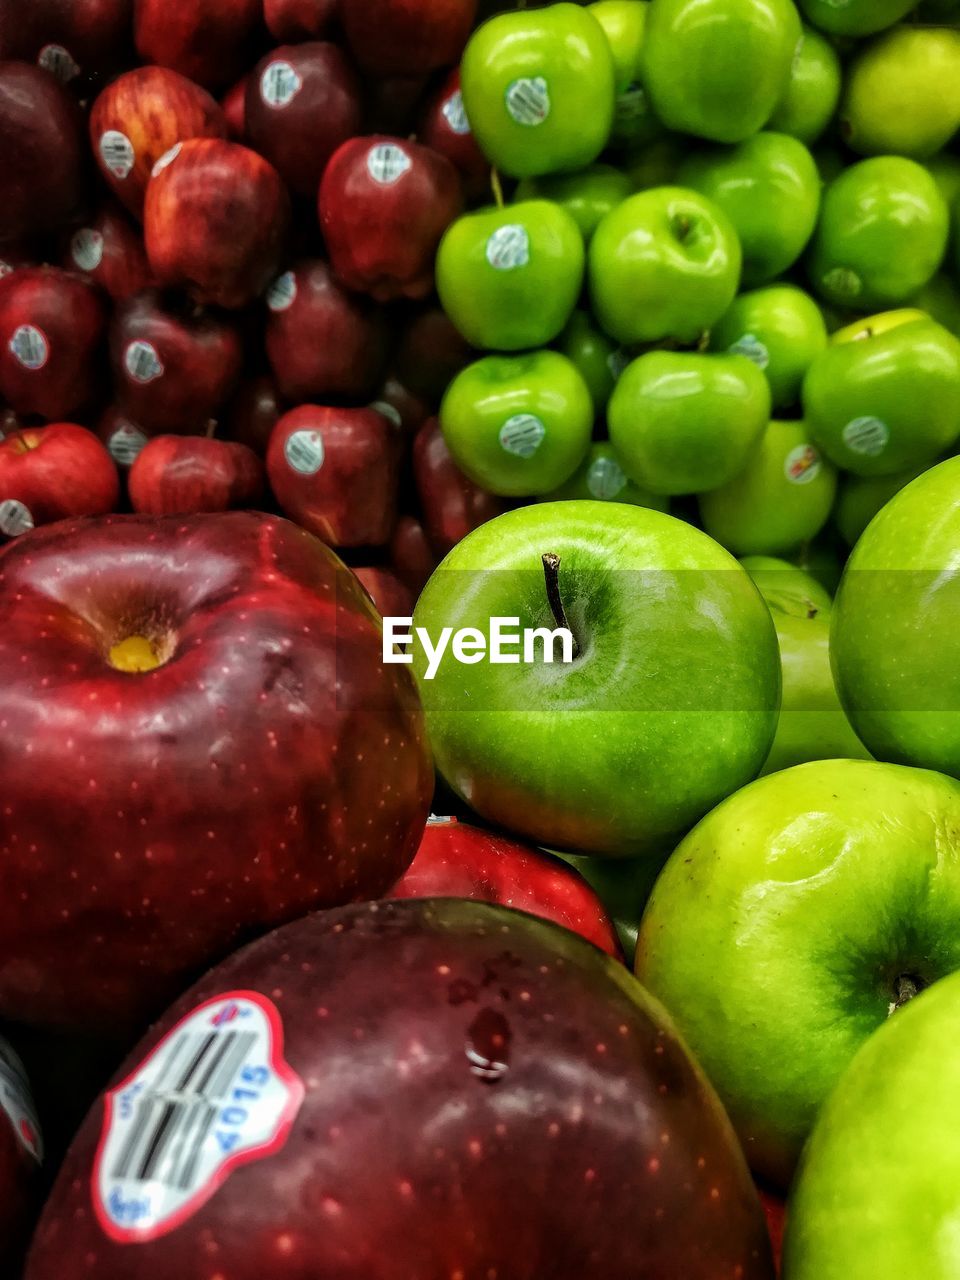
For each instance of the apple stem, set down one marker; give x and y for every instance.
(211, 430)
(905, 989)
(703, 342)
(551, 576)
(497, 188)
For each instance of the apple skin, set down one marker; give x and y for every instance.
(391, 598)
(233, 104)
(109, 252)
(44, 164)
(397, 403)
(95, 35)
(664, 264)
(52, 473)
(782, 582)
(814, 890)
(885, 394)
(775, 1212)
(861, 498)
(153, 108)
(412, 556)
(189, 363)
(289, 21)
(858, 17)
(813, 90)
(253, 413)
(452, 505)
(588, 195)
(406, 37)
(123, 438)
(336, 473)
(718, 68)
(52, 369)
(882, 234)
(322, 341)
(431, 353)
(449, 978)
(596, 357)
(860, 1218)
(457, 860)
(384, 205)
(232, 735)
(215, 220)
(703, 628)
(302, 103)
(209, 41)
(187, 475)
(444, 127)
(601, 477)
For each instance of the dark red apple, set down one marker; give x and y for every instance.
(456, 860)
(234, 106)
(384, 206)
(109, 252)
(445, 128)
(173, 367)
(253, 413)
(21, 1158)
(411, 555)
(14, 255)
(302, 102)
(208, 41)
(452, 505)
(123, 438)
(51, 334)
(389, 1086)
(391, 598)
(336, 472)
(52, 473)
(401, 406)
(138, 118)
(430, 355)
(215, 221)
(68, 37)
(291, 20)
(43, 169)
(323, 342)
(185, 475)
(197, 721)
(775, 1209)
(407, 37)
(394, 105)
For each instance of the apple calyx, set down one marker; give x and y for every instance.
(905, 988)
(551, 576)
(137, 654)
(793, 605)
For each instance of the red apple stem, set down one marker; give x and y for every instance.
(497, 188)
(551, 576)
(211, 430)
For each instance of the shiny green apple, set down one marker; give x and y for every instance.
(861, 497)
(779, 580)
(781, 329)
(599, 360)
(587, 196)
(812, 92)
(855, 17)
(624, 24)
(601, 477)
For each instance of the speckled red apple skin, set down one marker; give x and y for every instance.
(150, 823)
(407, 37)
(122, 270)
(298, 19)
(208, 41)
(594, 1148)
(452, 505)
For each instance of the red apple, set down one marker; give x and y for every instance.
(393, 105)
(21, 1157)
(123, 438)
(13, 256)
(51, 473)
(456, 860)
(431, 353)
(291, 20)
(208, 41)
(185, 475)
(407, 37)
(137, 119)
(452, 505)
(446, 129)
(198, 721)
(302, 102)
(253, 414)
(43, 171)
(173, 368)
(336, 472)
(68, 37)
(415, 1091)
(109, 252)
(411, 555)
(234, 107)
(322, 342)
(215, 221)
(51, 333)
(405, 410)
(384, 206)
(775, 1209)
(390, 597)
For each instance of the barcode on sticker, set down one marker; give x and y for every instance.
(522, 434)
(868, 436)
(59, 62)
(605, 478)
(280, 84)
(455, 113)
(15, 518)
(215, 1092)
(528, 100)
(508, 247)
(117, 154)
(387, 163)
(126, 444)
(282, 294)
(142, 362)
(166, 159)
(304, 452)
(29, 347)
(802, 464)
(86, 249)
(17, 1103)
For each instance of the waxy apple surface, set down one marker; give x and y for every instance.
(187, 475)
(109, 252)
(51, 473)
(208, 41)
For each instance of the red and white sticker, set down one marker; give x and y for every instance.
(605, 478)
(522, 435)
(455, 113)
(166, 159)
(282, 294)
(802, 464)
(304, 452)
(15, 518)
(387, 163)
(59, 61)
(126, 444)
(528, 100)
(86, 249)
(142, 362)
(117, 154)
(17, 1103)
(508, 247)
(214, 1094)
(280, 84)
(29, 347)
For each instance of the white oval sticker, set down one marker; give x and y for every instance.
(142, 362)
(86, 249)
(528, 100)
(387, 163)
(508, 248)
(117, 154)
(29, 347)
(802, 464)
(605, 478)
(59, 61)
(166, 159)
(388, 411)
(751, 347)
(455, 114)
(126, 444)
(15, 518)
(867, 436)
(304, 452)
(282, 294)
(522, 435)
(280, 84)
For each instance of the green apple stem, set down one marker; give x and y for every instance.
(551, 576)
(905, 989)
(497, 188)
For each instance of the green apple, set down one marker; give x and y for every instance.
(587, 196)
(623, 886)
(789, 923)
(882, 234)
(945, 169)
(830, 161)
(885, 394)
(669, 703)
(876, 1192)
(518, 426)
(781, 329)
(624, 23)
(769, 188)
(823, 558)
(601, 477)
(781, 581)
(538, 90)
(812, 92)
(902, 93)
(685, 422)
(599, 360)
(781, 499)
(718, 68)
(664, 264)
(940, 299)
(895, 626)
(510, 278)
(656, 164)
(855, 17)
(861, 497)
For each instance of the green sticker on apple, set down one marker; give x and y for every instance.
(522, 435)
(867, 435)
(528, 100)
